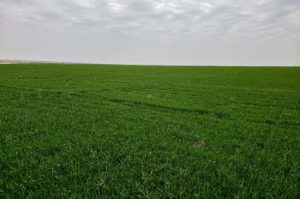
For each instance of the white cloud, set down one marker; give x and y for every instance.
(153, 28)
(116, 6)
(85, 3)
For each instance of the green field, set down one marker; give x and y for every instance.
(82, 131)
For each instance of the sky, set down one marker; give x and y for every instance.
(166, 32)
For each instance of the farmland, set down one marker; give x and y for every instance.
(86, 131)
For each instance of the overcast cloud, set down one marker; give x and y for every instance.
(191, 32)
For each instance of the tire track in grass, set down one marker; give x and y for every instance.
(161, 108)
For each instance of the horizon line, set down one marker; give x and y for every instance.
(27, 61)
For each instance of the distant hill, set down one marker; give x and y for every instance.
(10, 61)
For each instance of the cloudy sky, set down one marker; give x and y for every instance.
(191, 32)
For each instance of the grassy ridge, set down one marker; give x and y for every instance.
(113, 131)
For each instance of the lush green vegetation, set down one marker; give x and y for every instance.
(149, 132)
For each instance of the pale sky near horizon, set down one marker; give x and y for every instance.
(172, 32)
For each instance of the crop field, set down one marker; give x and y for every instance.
(108, 131)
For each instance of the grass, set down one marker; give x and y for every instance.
(82, 131)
